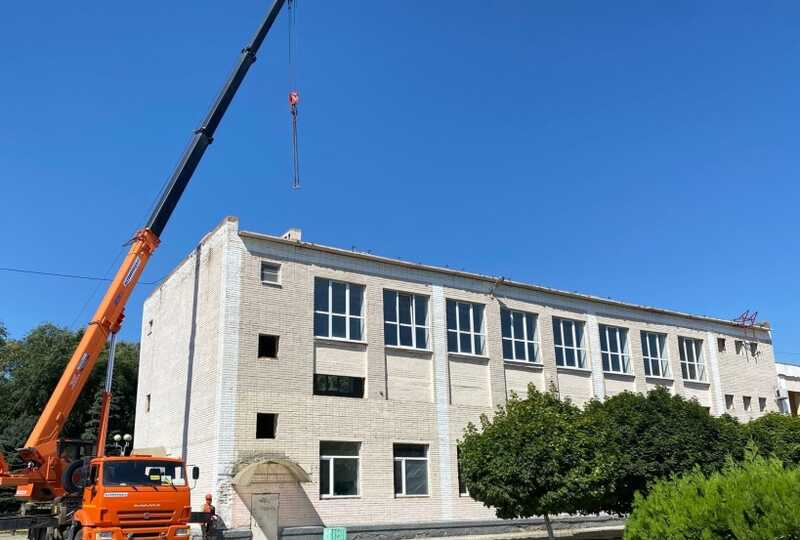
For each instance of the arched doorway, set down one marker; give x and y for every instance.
(270, 497)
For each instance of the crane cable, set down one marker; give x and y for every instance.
(294, 95)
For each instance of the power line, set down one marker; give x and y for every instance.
(68, 276)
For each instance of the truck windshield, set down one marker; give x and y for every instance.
(143, 473)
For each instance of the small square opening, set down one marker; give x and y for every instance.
(270, 272)
(267, 346)
(266, 424)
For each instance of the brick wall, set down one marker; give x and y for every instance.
(424, 397)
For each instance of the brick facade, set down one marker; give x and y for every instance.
(207, 316)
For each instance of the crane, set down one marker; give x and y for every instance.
(51, 461)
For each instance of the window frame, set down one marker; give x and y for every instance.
(471, 332)
(623, 350)
(580, 352)
(276, 266)
(698, 362)
(662, 360)
(762, 404)
(747, 403)
(403, 460)
(526, 340)
(331, 468)
(462, 485)
(730, 402)
(348, 316)
(413, 324)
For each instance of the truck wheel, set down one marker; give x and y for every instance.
(72, 479)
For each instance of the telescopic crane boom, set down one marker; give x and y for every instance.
(41, 479)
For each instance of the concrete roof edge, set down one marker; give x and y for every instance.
(175, 268)
(492, 279)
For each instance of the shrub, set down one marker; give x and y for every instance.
(776, 435)
(652, 437)
(755, 500)
(533, 458)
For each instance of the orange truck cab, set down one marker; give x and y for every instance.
(135, 497)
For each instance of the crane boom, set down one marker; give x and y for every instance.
(41, 480)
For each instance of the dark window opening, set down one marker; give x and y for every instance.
(267, 346)
(462, 485)
(266, 424)
(721, 344)
(338, 385)
(147, 403)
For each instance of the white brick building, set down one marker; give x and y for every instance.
(788, 388)
(316, 385)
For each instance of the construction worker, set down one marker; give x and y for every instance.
(210, 525)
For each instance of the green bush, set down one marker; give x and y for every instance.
(653, 437)
(776, 435)
(533, 458)
(757, 499)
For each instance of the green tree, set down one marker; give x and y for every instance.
(648, 438)
(777, 435)
(31, 368)
(533, 458)
(756, 500)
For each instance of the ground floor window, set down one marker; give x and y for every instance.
(410, 469)
(338, 469)
(462, 485)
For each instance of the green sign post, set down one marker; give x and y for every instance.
(334, 533)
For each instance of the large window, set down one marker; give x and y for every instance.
(465, 327)
(338, 385)
(338, 469)
(520, 339)
(614, 349)
(410, 469)
(569, 340)
(338, 309)
(654, 350)
(692, 367)
(405, 319)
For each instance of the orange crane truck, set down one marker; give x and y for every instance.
(72, 490)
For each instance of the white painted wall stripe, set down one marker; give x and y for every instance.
(228, 358)
(717, 401)
(442, 396)
(596, 361)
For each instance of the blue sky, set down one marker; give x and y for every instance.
(636, 150)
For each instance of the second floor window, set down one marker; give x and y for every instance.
(692, 366)
(405, 319)
(614, 349)
(465, 327)
(569, 341)
(520, 340)
(655, 354)
(338, 309)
